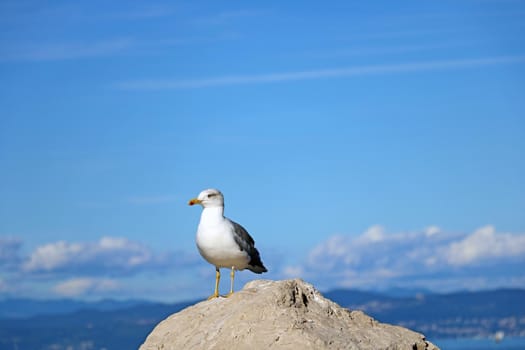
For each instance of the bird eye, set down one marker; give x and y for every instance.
(212, 195)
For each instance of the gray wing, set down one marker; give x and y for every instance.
(242, 237)
(247, 244)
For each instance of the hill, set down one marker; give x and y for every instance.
(289, 314)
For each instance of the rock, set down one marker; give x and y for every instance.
(288, 314)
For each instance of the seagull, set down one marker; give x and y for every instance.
(223, 242)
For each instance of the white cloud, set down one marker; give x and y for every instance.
(162, 84)
(375, 233)
(51, 256)
(485, 244)
(109, 255)
(378, 258)
(116, 243)
(372, 248)
(85, 268)
(83, 286)
(432, 230)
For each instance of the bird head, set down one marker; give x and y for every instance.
(209, 198)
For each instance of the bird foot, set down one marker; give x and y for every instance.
(228, 295)
(213, 296)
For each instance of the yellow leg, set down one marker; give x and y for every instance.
(232, 277)
(217, 279)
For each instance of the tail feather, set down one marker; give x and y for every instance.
(255, 264)
(257, 269)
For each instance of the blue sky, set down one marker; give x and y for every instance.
(366, 145)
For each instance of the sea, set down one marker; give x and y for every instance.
(508, 343)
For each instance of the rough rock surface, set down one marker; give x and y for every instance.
(288, 314)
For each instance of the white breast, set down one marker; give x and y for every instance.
(216, 243)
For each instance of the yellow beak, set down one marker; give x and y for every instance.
(194, 201)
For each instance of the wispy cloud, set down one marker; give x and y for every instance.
(389, 50)
(18, 11)
(151, 11)
(227, 16)
(165, 84)
(65, 51)
(62, 51)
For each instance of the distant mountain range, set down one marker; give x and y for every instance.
(112, 325)
(461, 314)
(85, 326)
(24, 308)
